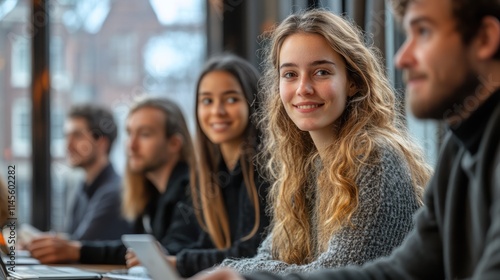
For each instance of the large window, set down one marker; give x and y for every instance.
(21, 127)
(101, 51)
(109, 52)
(15, 104)
(122, 53)
(20, 62)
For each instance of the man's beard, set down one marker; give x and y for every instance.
(84, 162)
(463, 101)
(149, 166)
(450, 107)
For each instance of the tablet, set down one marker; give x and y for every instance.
(151, 256)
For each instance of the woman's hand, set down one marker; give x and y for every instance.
(131, 259)
(172, 261)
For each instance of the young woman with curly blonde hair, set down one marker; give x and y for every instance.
(347, 178)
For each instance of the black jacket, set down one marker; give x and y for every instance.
(241, 221)
(169, 217)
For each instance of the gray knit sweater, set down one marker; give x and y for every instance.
(386, 205)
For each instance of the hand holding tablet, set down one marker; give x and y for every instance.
(151, 255)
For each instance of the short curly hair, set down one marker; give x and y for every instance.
(99, 119)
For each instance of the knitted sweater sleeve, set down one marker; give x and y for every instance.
(382, 220)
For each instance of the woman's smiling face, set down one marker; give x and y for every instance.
(313, 82)
(223, 112)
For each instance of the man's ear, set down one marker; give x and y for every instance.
(175, 142)
(488, 38)
(103, 142)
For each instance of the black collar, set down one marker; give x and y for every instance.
(179, 173)
(469, 132)
(103, 176)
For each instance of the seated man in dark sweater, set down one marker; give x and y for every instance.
(451, 62)
(95, 214)
(156, 186)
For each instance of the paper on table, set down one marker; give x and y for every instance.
(27, 232)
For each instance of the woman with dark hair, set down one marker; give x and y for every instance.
(228, 194)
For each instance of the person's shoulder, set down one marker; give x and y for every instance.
(387, 164)
(109, 189)
(386, 155)
(493, 124)
(387, 178)
(110, 186)
(178, 188)
(114, 176)
(110, 180)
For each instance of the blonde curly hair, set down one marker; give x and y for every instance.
(290, 158)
